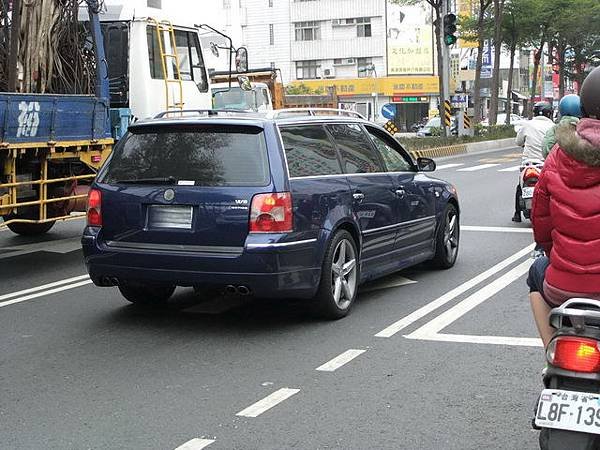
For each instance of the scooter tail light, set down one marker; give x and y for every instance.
(94, 208)
(573, 353)
(271, 213)
(531, 176)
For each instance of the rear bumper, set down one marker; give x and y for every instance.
(267, 269)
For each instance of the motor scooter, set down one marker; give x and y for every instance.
(529, 175)
(568, 409)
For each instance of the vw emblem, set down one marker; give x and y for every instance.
(169, 195)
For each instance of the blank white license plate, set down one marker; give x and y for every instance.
(569, 410)
(527, 192)
(170, 216)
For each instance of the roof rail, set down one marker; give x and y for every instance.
(317, 112)
(207, 112)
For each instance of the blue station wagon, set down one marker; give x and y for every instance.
(286, 205)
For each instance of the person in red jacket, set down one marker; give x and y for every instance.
(566, 214)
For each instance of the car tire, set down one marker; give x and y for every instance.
(340, 275)
(447, 239)
(28, 229)
(146, 294)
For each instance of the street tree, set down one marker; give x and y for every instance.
(575, 40)
(476, 29)
(517, 27)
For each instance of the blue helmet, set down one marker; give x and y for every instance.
(570, 106)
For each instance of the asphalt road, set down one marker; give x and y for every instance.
(428, 359)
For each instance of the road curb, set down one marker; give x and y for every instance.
(439, 152)
(461, 149)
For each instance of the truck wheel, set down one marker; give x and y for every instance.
(146, 294)
(28, 229)
(339, 277)
(447, 239)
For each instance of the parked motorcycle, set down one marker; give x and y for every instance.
(528, 178)
(568, 410)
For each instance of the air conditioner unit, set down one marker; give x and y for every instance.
(350, 61)
(343, 22)
(328, 72)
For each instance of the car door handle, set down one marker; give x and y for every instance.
(400, 192)
(358, 196)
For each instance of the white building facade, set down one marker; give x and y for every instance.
(324, 43)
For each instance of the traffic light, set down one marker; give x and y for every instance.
(450, 29)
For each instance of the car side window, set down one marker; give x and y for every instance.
(358, 155)
(394, 160)
(309, 151)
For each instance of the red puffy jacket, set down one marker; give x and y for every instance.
(566, 208)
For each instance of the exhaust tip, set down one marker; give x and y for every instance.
(243, 290)
(231, 289)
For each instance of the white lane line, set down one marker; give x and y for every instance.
(493, 340)
(434, 326)
(44, 286)
(479, 167)
(340, 360)
(448, 166)
(268, 402)
(496, 229)
(451, 295)
(510, 169)
(195, 444)
(42, 293)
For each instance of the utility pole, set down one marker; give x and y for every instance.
(15, 29)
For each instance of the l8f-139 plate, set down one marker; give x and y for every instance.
(569, 410)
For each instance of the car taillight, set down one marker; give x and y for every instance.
(530, 176)
(94, 208)
(271, 213)
(574, 353)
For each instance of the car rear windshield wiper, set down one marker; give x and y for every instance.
(156, 180)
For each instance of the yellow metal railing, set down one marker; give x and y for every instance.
(91, 154)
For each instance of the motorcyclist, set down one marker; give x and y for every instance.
(569, 110)
(531, 137)
(566, 214)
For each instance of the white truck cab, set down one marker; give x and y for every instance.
(225, 96)
(154, 64)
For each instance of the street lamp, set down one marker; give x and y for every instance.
(370, 69)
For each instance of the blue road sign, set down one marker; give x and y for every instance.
(388, 111)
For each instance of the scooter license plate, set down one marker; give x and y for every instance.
(569, 410)
(527, 192)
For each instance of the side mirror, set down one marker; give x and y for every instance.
(425, 164)
(214, 49)
(241, 60)
(244, 82)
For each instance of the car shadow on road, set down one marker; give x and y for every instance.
(186, 312)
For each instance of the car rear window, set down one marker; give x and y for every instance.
(199, 155)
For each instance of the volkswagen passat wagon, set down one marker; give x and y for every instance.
(290, 205)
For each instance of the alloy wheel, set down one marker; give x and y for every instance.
(451, 235)
(343, 280)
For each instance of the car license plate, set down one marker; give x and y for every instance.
(170, 216)
(569, 410)
(527, 192)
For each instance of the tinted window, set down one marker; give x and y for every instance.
(309, 151)
(392, 158)
(206, 156)
(356, 150)
(156, 69)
